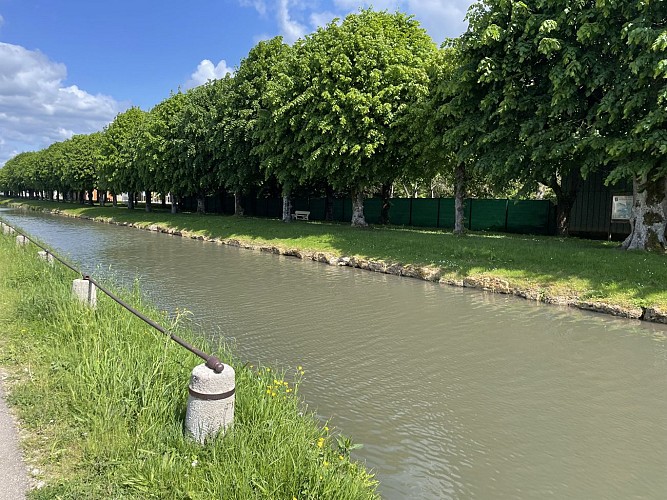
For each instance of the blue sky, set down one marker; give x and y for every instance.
(69, 66)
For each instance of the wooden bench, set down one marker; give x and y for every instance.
(300, 215)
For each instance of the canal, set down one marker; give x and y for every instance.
(454, 393)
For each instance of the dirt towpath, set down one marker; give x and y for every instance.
(13, 475)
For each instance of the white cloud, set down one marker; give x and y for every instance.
(321, 19)
(289, 28)
(36, 109)
(259, 5)
(296, 18)
(207, 71)
(442, 19)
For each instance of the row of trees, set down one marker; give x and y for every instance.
(528, 95)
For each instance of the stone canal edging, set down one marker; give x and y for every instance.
(426, 273)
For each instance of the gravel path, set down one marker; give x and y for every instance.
(13, 476)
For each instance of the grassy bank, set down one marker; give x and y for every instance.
(546, 267)
(102, 400)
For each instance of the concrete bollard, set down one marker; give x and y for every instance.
(85, 291)
(210, 403)
(21, 240)
(48, 257)
(7, 229)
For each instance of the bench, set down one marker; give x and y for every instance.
(300, 215)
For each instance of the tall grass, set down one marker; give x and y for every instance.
(103, 398)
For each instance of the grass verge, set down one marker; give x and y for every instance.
(102, 398)
(550, 267)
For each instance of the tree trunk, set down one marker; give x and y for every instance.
(101, 197)
(358, 219)
(82, 197)
(287, 207)
(201, 204)
(114, 201)
(90, 198)
(459, 199)
(149, 204)
(328, 203)
(163, 200)
(386, 205)
(648, 223)
(566, 194)
(130, 201)
(563, 209)
(238, 208)
(174, 203)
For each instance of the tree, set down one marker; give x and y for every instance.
(238, 104)
(536, 90)
(444, 125)
(119, 149)
(196, 170)
(336, 111)
(158, 155)
(82, 158)
(632, 117)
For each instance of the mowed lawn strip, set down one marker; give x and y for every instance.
(556, 267)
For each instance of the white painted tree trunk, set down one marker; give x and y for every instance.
(649, 215)
(358, 218)
(287, 208)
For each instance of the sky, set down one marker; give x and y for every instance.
(70, 66)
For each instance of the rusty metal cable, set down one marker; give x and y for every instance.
(212, 361)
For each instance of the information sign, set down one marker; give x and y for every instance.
(621, 208)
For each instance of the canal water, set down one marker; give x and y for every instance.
(454, 393)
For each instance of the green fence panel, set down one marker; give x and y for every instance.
(486, 215)
(317, 206)
(425, 212)
(261, 207)
(521, 216)
(342, 209)
(338, 207)
(275, 208)
(213, 204)
(399, 213)
(300, 204)
(447, 215)
(528, 216)
(373, 210)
